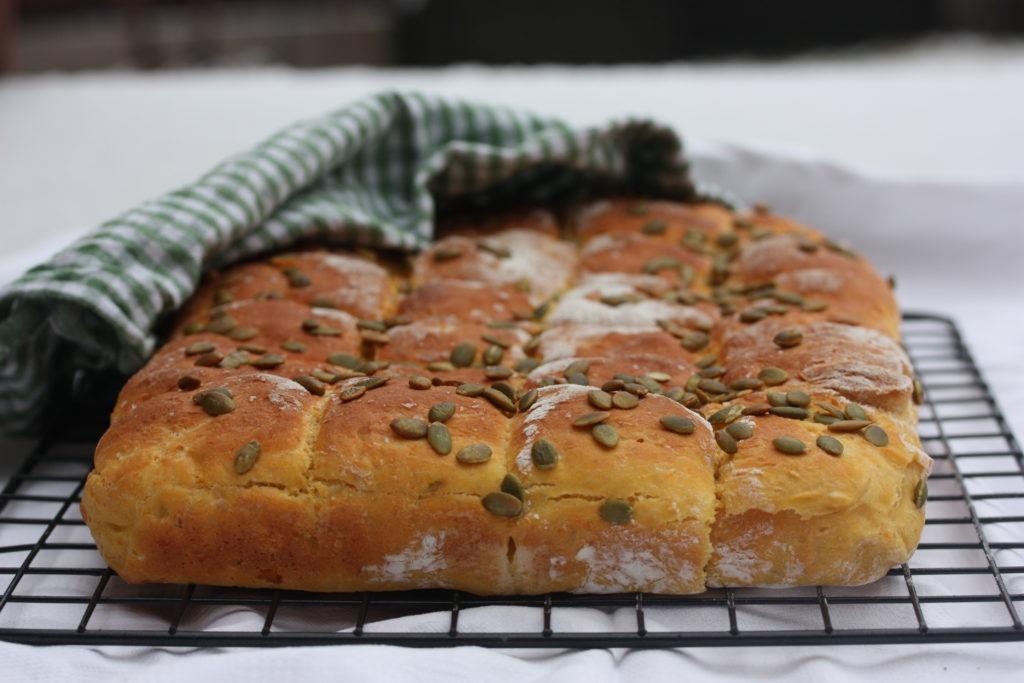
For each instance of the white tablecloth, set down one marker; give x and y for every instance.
(936, 136)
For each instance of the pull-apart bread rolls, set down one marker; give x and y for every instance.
(649, 396)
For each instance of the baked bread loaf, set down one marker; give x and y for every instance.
(646, 396)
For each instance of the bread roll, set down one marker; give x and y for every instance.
(651, 397)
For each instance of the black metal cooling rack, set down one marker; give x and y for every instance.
(965, 583)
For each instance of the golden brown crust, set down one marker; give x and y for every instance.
(529, 481)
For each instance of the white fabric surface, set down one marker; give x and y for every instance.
(939, 199)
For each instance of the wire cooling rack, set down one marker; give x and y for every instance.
(964, 583)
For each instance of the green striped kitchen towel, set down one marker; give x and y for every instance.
(369, 174)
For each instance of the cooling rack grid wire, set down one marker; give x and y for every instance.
(965, 582)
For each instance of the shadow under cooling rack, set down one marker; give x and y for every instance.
(964, 583)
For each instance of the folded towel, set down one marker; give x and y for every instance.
(370, 174)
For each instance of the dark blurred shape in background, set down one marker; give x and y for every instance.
(42, 35)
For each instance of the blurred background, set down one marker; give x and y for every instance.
(68, 35)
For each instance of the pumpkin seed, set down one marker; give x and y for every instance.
(544, 454)
(791, 412)
(825, 418)
(777, 398)
(311, 384)
(253, 348)
(727, 239)
(440, 439)
(855, 411)
(712, 386)
(441, 412)
(440, 366)
(613, 385)
(352, 393)
(580, 367)
(807, 246)
(193, 328)
(600, 399)
(832, 410)
(447, 253)
(757, 409)
(655, 265)
(740, 430)
(773, 376)
(267, 361)
(525, 366)
(746, 383)
(788, 338)
(323, 302)
(726, 442)
(848, 426)
(605, 435)
(513, 487)
(462, 355)
(235, 359)
(918, 395)
(655, 227)
(372, 382)
(712, 371)
(921, 493)
(506, 389)
(499, 400)
(789, 445)
(830, 444)
(409, 427)
(189, 382)
(690, 400)
(246, 457)
(637, 209)
(677, 424)
(502, 504)
(752, 315)
(775, 309)
(210, 360)
(791, 298)
(694, 341)
(325, 377)
(243, 333)
(876, 436)
(497, 372)
(420, 382)
(724, 416)
(221, 325)
(376, 325)
(578, 378)
(590, 419)
(624, 400)
(214, 402)
(492, 355)
(660, 377)
(635, 388)
(799, 399)
(373, 337)
(470, 389)
(814, 305)
(498, 250)
(296, 278)
(616, 511)
(200, 348)
(527, 399)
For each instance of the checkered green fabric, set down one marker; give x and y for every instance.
(370, 174)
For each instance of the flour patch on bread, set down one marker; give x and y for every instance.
(418, 561)
(740, 561)
(582, 306)
(819, 280)
(635, 560)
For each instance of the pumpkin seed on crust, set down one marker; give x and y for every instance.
(311, 384)
(544, 454)
(605, 435)
(789, 445)
(420, 382)
(726, 442)
(189, 382)
(624, 400)
(616, 511)
(513, 486)
(440, 439)
(830, 444)
(246, 457)
(462, 355)
(502, 504)
(527, 399)
(590, 419)
(847, 426)
(215, 402)
(876, 436)
(677, 424)
(352, 393)
(409, 427)
(773, 376)
(441, 412)
(921, 493)
(740, 430)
